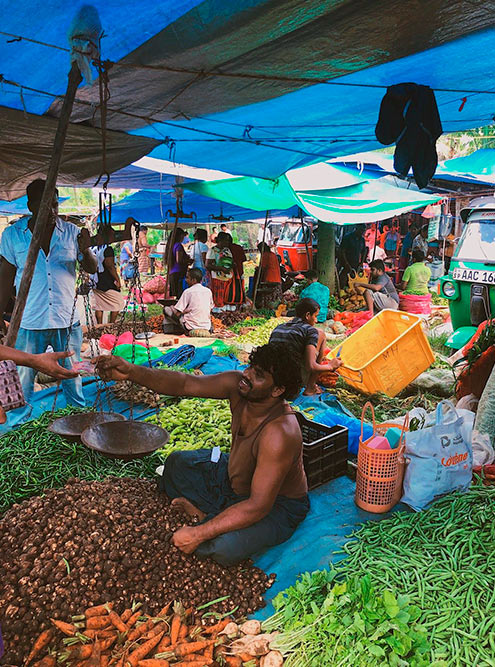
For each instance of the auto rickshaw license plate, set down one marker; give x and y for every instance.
(474, 275)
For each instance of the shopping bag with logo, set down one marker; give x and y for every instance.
(440, 458)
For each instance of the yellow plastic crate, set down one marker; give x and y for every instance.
(385, 354)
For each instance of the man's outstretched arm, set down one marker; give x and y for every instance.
(169, 383)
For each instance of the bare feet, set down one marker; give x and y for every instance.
(186, 506)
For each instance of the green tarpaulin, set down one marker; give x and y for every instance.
(346, 198)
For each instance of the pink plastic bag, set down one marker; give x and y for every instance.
(107, 341)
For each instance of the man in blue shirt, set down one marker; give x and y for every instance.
(317, 291)
(49, 307)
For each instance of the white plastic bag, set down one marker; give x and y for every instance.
(468, 402)
(483, 452)
(440, 457)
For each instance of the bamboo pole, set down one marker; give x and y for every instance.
(44, 212)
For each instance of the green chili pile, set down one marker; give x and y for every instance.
(438, 565)
(195, 423)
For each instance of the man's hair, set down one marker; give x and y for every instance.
(378, 264)
(222, 236)
(201, 235)
(283, 364)
(224, 226)
(306, 306)
(263, 247)
(311, 275)
(418, 255)
(196, 274)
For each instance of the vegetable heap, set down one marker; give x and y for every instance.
(195, 423)
(262, 333)
(91, 542)
(353, 624)
(33, 459)
(172, 636)
(415, 589)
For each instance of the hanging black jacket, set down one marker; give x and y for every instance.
(409, 118)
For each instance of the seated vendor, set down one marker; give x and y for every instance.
(380, 292)
(193, 309)
(255, 497)
(307, 342)
(416, 276)
(317, 291)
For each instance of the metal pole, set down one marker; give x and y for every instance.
(46, 204)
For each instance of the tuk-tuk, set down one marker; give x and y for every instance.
(297, 244)
(470, 283)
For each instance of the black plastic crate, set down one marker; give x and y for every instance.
(324, 451)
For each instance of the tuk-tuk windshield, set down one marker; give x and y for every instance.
(292, 232)
(477, 241)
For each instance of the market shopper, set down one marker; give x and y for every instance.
(180, 261)
(234, 293)
(306, 341)
(193, 310)
(106, 296)
(47, 319)
(405, 253)
(417, 275)
(380, 292)
(317, 291)
(420, 241)
(255, 497)
(352, 252)
(219, 262)
(198, 252)
(270, 278)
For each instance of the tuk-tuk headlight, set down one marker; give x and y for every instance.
(448, 289)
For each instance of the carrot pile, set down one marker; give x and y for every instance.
(102, 638)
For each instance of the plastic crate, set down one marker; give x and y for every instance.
(324, 451)
(385, 354)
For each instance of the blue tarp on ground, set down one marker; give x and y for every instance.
(331, 519)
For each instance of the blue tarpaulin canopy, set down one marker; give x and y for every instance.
(151, 208)
(252, 87)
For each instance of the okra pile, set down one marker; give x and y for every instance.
(91, 542)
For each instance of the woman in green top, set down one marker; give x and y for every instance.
(320, 293)
(417, 275)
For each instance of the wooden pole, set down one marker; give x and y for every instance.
(44, 212)
(258, 275)
(326, 255)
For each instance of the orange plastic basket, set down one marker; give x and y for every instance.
(380, 471)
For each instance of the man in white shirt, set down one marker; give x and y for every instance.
(49, 307)
(193, 310)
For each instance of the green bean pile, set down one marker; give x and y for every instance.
(195, 423)
(33, 459)
(443, 560)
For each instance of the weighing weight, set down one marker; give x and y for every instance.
(71, 426)
(125, 440)
(142, 336)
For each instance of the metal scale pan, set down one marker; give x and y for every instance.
(125, 440)
(72, 426)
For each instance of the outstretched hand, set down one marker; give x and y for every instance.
(111, 367)
(48, 363)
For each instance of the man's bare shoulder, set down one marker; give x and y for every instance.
(282, 434)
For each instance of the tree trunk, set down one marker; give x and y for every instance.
(326, 255)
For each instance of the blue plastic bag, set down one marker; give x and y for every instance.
(440, 458)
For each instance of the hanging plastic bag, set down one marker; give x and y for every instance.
(440, 458)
